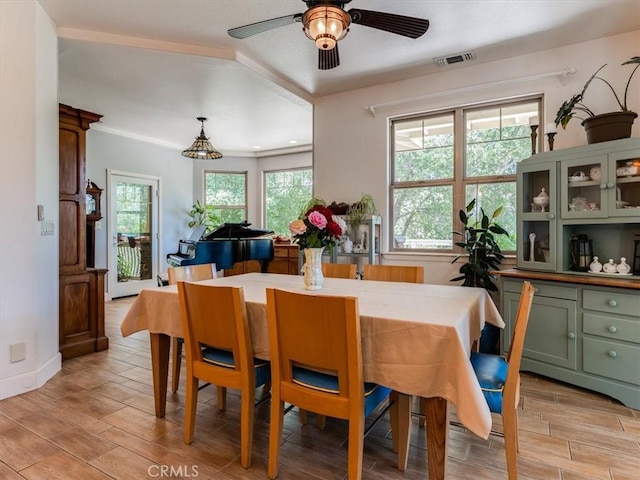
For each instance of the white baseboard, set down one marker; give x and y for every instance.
(25, 382)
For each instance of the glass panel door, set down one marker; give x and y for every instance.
(133, 229)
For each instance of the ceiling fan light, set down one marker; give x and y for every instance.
(201, 147)
(325, 25)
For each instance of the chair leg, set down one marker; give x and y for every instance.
(266, 391)
(275, 434)
(176, 357)
(247, 409)
(356, 444)
(222, 398)
(304, 417)
(510, 424)
(190, 409)
(401, 427)
(321, 421)
(423, 412)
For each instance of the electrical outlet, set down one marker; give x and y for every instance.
(98, 225)
(17, 352)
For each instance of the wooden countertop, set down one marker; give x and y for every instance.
(587, 279)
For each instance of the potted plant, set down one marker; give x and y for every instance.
(483, 255)
(201, 217)
(606, 126)
(357, 212)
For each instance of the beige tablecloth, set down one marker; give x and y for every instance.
(416, 338)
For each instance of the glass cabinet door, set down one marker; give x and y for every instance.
(537, 210)
(583, 188)
(623, 187)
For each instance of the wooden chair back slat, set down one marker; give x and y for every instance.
(339, 270)
(394, 273)
(192, 273)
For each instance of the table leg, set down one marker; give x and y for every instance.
(437, 417)
(160, 368)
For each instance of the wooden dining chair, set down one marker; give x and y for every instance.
(339, 270)
(310, 334)
(499, 379)
(188, 273)
(394, 273)
(219, 350)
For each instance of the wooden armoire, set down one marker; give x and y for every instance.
(81, 321)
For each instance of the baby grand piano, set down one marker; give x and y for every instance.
(229, 244)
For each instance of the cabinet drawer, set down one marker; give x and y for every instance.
(281, 251)
(612, 302)
(543, 290)
(611, 327)
(611, 359)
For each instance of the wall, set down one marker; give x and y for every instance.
(29, 176)
(107, 151)
(351, 146)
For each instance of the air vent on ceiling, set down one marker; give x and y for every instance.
(457, 58)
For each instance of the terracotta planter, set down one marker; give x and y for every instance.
(609, 126)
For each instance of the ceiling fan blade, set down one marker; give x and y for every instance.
(328, 59)
(264, 26)
(411, 27)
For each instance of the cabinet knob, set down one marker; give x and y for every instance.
(613, 329)
(613, 354)
(603, 186)
(611, 185)
(551, 216)
(612, 303)
(536, 290)
(571, 335)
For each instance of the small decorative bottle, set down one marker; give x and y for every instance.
(610, 267)
(623, 268)
(596, 266)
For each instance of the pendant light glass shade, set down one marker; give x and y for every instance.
(202, 147)
(325, 25)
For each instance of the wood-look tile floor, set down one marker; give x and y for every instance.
(95, 420)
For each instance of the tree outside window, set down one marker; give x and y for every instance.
(226, 195)
(285, 194)
(442, 161)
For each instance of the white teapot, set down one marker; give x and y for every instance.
(596, 266)
(610, 267)
(623, 267)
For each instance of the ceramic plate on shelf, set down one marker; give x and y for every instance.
(579, 179)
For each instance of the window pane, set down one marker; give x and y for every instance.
(225, 196)
(423, 217)
(424, 149)
(286, 193)
(497, 139)
(225, 188)
(491, 196)
(229, 215)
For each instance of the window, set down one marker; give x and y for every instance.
(285, 194)
(441, 161)
(226, 195)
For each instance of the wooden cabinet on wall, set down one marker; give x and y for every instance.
(81, 295)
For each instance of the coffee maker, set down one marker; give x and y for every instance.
(581, 252)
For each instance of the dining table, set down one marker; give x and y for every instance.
(416, 339)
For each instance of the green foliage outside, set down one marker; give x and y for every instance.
(225, 196)
(134, 203)
(424, 214)
(286, 194)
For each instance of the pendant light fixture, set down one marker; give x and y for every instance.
(202, 148)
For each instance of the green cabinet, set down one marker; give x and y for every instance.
(579, 332)
(584, 327)
(593, 190)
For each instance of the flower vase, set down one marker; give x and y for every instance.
(312, 268)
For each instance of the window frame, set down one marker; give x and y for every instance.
(227, 207)
(460, 180)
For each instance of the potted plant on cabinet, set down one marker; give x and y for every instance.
(483, 255)
(606, 126)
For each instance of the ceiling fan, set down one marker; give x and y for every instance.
(325, 22)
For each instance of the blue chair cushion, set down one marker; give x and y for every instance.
(374, 394)
(491, 371)
(224, 358)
